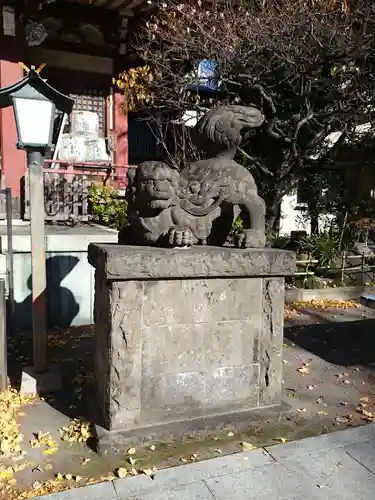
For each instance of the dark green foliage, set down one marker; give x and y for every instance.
(107, 208)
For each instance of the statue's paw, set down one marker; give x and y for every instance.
(180, 237)
(251, 238)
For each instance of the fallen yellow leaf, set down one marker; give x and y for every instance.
(49, 451)
(281, 440)
(153, 447)
(247, 446)
(148, 472)
(132, 451)
(121, 472)
(5, 474)
(327, 303)
(110, 477)
(78, 431)
(303, 370)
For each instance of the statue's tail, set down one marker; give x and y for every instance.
(223, 129)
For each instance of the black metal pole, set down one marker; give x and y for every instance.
(35, 160)
(10, 260)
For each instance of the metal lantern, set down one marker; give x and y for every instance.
(34, 103)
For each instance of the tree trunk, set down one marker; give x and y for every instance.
(314, 194)
(273, 204)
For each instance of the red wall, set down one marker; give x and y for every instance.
(13, 160)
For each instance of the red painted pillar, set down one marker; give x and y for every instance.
(13, 160)
(121, 131)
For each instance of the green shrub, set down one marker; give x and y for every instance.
(106, 206)
(236, 227)
(275, 240)
(326, 246)
(323, 247)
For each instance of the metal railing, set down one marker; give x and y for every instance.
(6, 195)
(3, 339)
(66, 190)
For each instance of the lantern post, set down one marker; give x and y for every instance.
(36, 107)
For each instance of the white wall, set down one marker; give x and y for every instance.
(295, 219)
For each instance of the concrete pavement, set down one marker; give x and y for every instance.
(339, 465)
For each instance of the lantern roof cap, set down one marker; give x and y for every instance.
(33, 79)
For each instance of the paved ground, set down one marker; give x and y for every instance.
(60, 229)
(335, 466)
(328, 369)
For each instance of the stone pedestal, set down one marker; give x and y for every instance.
(186, 336)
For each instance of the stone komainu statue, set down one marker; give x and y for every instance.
(199, 204)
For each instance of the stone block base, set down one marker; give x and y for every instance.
(184, 337)
(40, 383)
(111, 444)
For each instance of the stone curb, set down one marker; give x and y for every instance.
(196, 474)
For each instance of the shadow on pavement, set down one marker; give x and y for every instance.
(72, 350)
(343, 343)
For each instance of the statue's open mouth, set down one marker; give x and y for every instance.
(192, 208)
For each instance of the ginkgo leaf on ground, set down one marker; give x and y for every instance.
(247, 446)
(121, 472)
(303, 370)
(148, 472)
(281, 440)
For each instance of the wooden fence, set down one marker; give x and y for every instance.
(360, 264)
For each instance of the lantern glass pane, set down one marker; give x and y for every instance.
(33, 118)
